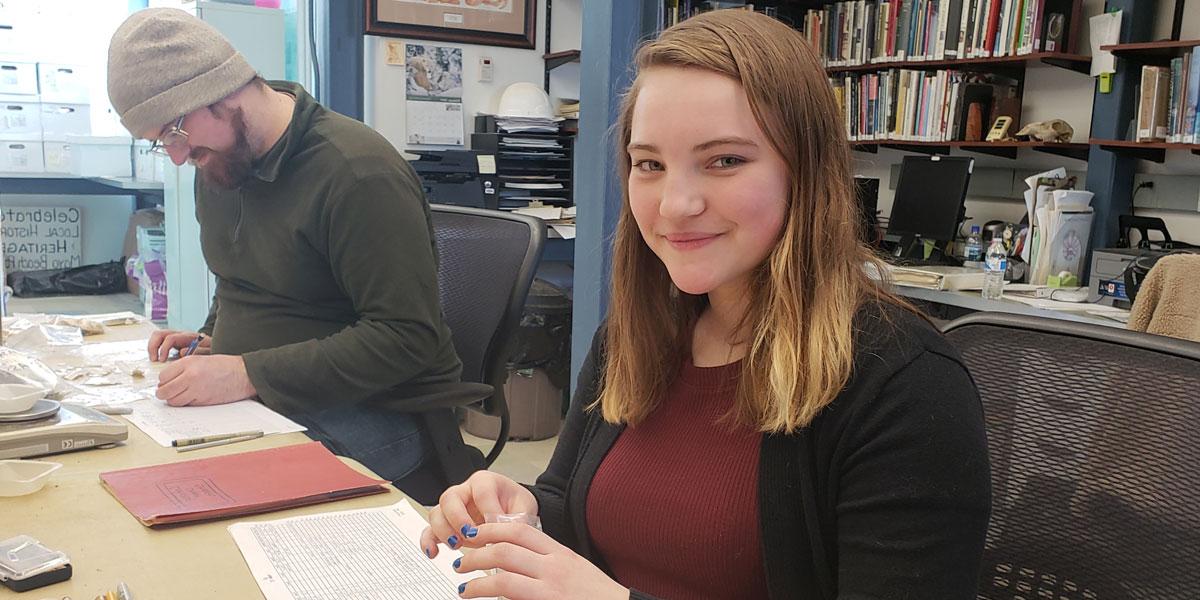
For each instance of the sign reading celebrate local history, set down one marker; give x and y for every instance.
(41, 237)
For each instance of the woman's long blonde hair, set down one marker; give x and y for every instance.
(804, 296)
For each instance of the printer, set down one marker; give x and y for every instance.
(1115, 269)
(455, 177)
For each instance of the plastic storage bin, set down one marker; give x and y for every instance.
(62, 83)
(94, 156)
(18, 78)
(66, 119)
(21, 154)
(56, 154)
(20, 116)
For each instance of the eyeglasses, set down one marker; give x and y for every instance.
(173, 137)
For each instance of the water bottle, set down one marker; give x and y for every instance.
(974, 246)
(993, 271)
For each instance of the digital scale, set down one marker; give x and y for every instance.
(51, 427)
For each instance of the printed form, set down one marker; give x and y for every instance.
(166, 423)
(361, 554)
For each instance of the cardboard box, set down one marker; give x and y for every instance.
(20, 116)
(21, 154)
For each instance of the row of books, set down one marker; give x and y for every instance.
(674, 11)
(858, 32)
(1168, 101)
(923, 106)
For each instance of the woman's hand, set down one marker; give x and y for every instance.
(465, 506)
(534, 567)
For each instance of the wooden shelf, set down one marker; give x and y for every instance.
(1152, 151)
(1006, 149)
(1074, 62)
(555, 60)
(1151, 52)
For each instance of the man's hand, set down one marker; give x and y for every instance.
(205, 380)
(163, 341)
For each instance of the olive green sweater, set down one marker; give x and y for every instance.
(326, 269)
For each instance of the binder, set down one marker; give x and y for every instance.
(236, 484)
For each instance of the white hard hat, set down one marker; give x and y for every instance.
(524, 99)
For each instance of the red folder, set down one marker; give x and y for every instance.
(237, 484)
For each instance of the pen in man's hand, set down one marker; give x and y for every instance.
(192, 346)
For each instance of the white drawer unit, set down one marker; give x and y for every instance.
(18, 78)
(62, 83)
(8, 37)
(21, 154)
(66, 119)
(56, 154)
(18, 116)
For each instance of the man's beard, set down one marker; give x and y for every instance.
(231, 168)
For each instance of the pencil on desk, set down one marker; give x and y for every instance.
(204, 439)
(220, 442)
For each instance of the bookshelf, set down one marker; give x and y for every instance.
(1078, 63)
(1138, 54)
(880, 53)
(1152, 53)
(1003, 149)
(1151, 151)
(555, 60)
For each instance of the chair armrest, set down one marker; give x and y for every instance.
(448, 395)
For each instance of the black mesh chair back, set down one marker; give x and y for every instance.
(1094, 439)
(486, 263)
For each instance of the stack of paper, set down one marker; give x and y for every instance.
(937, 277)
(560, 220)
(569, 109)
(1061, 224)
(511, 124)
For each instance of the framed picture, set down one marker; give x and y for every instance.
(509, 23)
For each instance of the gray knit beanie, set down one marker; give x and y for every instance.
(164, 63)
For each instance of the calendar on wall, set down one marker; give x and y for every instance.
(433, 92)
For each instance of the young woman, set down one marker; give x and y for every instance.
(758, 419)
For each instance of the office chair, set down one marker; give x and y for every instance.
(1095, 457)
(486, 263)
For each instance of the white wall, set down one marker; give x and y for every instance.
(566, 33)
(384, 84)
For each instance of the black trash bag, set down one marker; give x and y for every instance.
(543, 339)
(104, 278)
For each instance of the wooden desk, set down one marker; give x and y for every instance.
(106, 544)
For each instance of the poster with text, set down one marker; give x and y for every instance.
(37, 238)
(433, 92)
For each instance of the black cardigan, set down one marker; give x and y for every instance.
(885, 495)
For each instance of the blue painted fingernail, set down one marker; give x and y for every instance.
(469, 531)
(452, 541)
(457, 563)
(462, 587)
(427, 553)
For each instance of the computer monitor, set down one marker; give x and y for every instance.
(929, 199)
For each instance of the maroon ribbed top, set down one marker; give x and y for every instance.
(673, 508)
